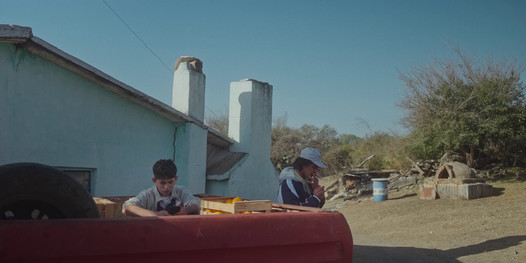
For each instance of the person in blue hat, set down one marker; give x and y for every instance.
(299, 183)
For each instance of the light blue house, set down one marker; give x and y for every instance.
(57, 110)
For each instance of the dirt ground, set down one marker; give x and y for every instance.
(405, 228)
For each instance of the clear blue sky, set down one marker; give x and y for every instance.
(330, 62)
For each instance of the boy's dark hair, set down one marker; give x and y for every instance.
(300, 163)
(164, 169)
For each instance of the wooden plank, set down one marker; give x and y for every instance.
(420, 171)
(296, 208)
(255, 206)
(365, 171)
(364, 161)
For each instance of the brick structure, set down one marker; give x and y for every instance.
(455, 180)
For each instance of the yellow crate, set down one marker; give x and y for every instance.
(218, 204)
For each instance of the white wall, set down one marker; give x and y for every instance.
(50, 115)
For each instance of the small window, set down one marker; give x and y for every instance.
(83, 177)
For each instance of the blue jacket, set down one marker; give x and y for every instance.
(295, 190)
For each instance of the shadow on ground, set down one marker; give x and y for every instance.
(403, 196)
(496, 191)
(413, 254)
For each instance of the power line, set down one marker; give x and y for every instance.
(137, 36)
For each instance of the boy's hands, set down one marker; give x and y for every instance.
(181, 212)
(162, 213)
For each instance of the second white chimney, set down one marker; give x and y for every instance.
(250, 117)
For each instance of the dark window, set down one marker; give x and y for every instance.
(83, 177)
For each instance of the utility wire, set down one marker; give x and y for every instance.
(137, 36)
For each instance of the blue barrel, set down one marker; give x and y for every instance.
(379, 189)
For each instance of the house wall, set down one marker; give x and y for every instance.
(52, 116)
(191, 157)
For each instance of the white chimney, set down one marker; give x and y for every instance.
(188, 97)
(188, 93)
(250, 117)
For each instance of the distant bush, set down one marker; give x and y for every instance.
(467, 106)
(340, 153)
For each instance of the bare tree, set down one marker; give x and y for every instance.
(219, 121)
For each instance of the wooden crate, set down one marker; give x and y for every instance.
(119, 200)
(106, 207)
(217, 204)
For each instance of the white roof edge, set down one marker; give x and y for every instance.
(19, 34)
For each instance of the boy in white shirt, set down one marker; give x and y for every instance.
(164, 198)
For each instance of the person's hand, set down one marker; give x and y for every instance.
(181, 212)
(320, 192)
(191, 209)
(314, 182)
(162, 213)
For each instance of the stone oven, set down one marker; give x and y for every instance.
(455, 180)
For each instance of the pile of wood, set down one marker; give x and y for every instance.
(357, 183)
(360, 186)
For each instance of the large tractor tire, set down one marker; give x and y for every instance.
(36, 191)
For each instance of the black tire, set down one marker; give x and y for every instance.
(36, 191)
